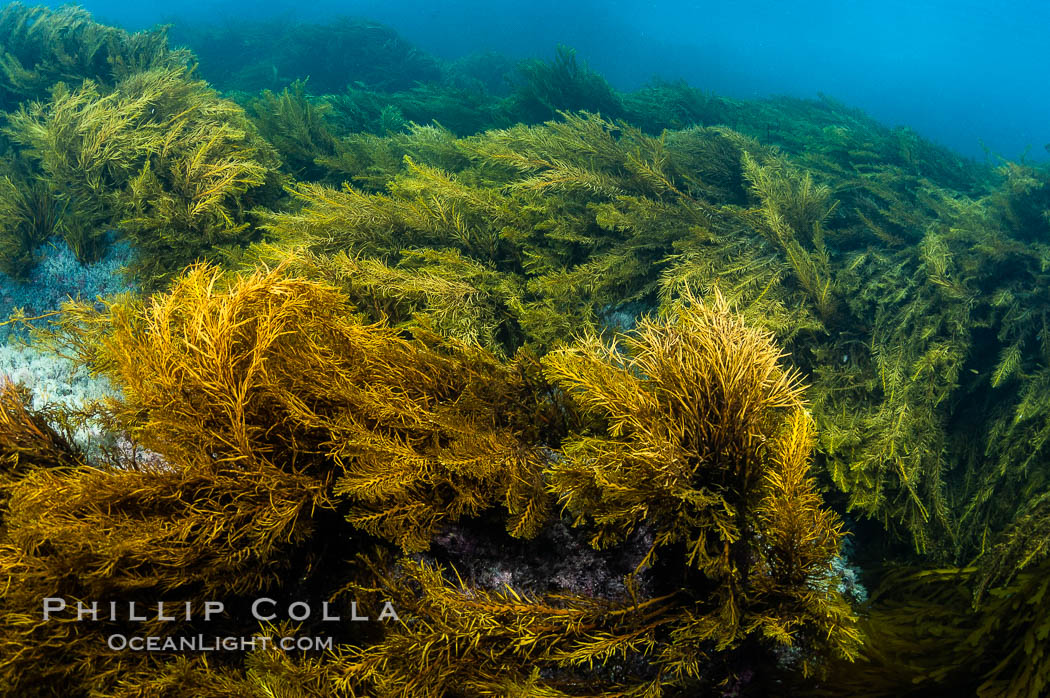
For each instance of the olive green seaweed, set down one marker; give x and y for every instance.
(160, 157)
(694, 333)
(40, 47)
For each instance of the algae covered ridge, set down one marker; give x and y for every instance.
(486, 379)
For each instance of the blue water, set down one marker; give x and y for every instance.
(960, 73)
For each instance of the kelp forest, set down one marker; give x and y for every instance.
(572, 392)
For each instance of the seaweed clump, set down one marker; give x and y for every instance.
(42, 47)
(285, 434)
(159, 156)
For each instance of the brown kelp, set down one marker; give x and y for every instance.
(40, 47)
(482, 329)
(275, 420)
(160, 156)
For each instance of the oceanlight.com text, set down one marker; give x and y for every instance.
(216, 643)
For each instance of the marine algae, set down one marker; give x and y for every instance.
(557, 303)
(267, 406)
(160, 157)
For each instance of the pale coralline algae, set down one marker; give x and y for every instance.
(59, 276)
(54, 381)
(50, 379)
